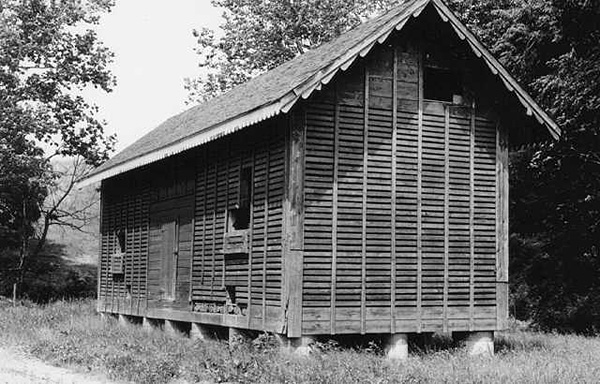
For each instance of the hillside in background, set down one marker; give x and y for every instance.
(80, 246)
(67, 264)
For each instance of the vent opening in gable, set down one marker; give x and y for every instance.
(442, 84)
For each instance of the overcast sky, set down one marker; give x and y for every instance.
(153, 45)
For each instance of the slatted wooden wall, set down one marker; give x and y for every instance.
(124, 208)
(262, 148)
(400, 225)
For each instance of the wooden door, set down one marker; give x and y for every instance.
(170, 252)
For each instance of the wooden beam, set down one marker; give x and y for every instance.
(192, 242)
(147, 249)
(419, 195)
(446, 212)
(214, 230)
(502, 229)
(129, 212)
(140, 219)
(226, 224)
(294, 221)
(394, 189)
(100, 242)
(363, 288)
(334, 209)
(472, 220)
(250, 235)
(266, 230)
(275, 325)
(110, 250)
(203, 263)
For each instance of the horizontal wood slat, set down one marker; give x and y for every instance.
(251, 279)
(400, 218)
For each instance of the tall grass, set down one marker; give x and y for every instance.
(72, 334)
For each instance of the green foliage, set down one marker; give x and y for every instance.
(260, 35)
(71, 334)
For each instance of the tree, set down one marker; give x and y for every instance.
(260, 35)
(48, 55)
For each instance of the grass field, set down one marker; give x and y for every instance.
(72, 334)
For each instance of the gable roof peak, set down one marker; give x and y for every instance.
(278, 90)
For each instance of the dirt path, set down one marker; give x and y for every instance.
(15, 368)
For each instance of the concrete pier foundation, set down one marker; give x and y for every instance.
(174, 328)
(198, 332)
(480, 343)
(397, 347)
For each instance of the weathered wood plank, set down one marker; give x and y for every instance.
(294, 217)
(472, 222)
(446, 214)
(363, 291)
(334, 213)
(419, 190)
(394, 165)
(502, 229)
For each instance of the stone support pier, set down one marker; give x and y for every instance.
(480, 343)
(198, 332)
(397, 347)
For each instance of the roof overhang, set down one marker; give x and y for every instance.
(322, 77)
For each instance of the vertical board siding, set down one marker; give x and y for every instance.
(259, 235)
(459, 223)
(143, 204)
(432, 201)
(256, 277)
(275, 192)
(407, 214)
(485, 213)
(125, 208)
(236, 267)
(349, 220)
(414, 189)
(379, 189)
(318, 197)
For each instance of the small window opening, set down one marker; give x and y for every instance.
(230, 290)
(442, 84)
(121, 240)
(240, 216)
(232, 307)
(117, 258)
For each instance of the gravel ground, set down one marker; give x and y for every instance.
(15, 368)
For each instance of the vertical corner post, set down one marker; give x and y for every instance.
(502, 230)
(293, 239)
(420, 195)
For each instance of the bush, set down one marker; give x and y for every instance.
(50, 276)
